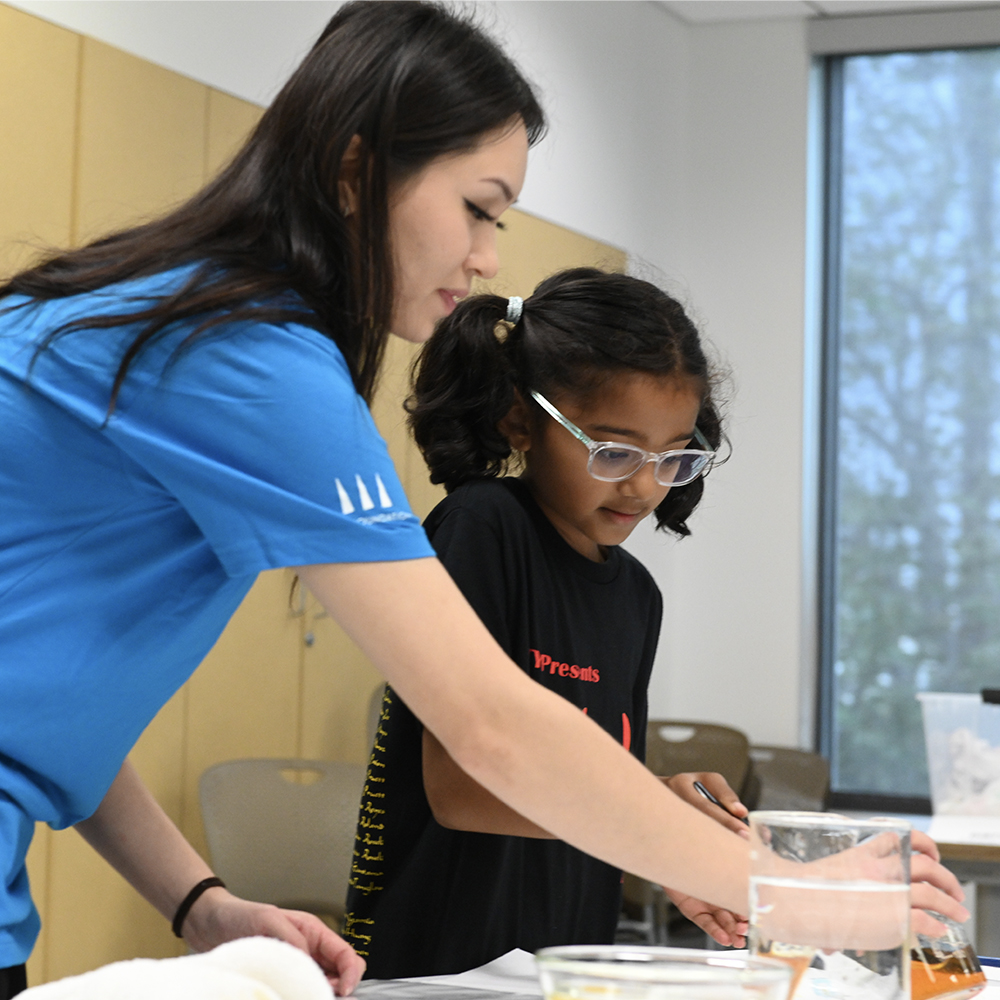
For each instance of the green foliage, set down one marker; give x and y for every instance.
(918, 492)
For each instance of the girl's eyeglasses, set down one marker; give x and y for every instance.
(612, 462)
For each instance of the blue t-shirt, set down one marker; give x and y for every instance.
(126, 544)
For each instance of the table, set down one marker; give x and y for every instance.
(978, 863)
(512, 977)
(402, 989)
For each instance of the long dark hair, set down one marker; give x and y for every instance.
(414, 81)
(579, 328)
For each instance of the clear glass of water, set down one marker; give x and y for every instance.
(832, 895)
(635, 972)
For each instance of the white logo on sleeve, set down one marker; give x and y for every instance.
(347, 505)
(366, 500)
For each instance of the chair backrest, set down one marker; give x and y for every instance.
(674, 746)
(791, 779)
(282, 831)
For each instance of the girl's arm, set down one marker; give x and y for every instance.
(137, 838)
(460, 803)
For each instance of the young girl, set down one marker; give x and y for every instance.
(598, 389)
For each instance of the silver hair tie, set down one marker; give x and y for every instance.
(515, 306)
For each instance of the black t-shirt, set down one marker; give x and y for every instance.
(425, 900)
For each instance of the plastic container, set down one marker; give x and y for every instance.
(633, 972)
(945, 968)
(963, 753)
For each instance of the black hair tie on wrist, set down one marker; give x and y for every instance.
(190, 899)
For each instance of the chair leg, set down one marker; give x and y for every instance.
(661, 918)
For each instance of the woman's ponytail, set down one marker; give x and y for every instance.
(463, 386)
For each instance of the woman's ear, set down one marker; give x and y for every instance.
(348, 182)
(516, 425)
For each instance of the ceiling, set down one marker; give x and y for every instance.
(701, 11)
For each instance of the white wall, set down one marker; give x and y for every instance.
(684, 144)
(733, 632)
(244, 48)
(611, 75)
(602, 67)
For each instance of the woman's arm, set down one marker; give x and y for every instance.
(525, 744)
(137, 838)
(460, 803)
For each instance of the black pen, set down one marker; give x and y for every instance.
(703, 791)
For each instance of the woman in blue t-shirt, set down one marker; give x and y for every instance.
(184, 404)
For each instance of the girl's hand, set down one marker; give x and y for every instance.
(218, 916)
(730, 816)
(727, 928)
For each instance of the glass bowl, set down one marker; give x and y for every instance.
(634, 972)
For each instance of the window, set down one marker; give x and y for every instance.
(910, 589)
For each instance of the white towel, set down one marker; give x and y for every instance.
(256, 968)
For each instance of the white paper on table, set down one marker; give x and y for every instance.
(992, 991)
(966, 830)
(514, 972)
(513, 975)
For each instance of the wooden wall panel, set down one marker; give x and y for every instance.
(230, 121)
(244, 701)
(531, 249)
(39, 64)
(337, 682)
(142, 139)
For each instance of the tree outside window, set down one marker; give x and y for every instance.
(912, 472)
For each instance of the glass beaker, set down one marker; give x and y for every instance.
(945, 968)
(833, 894)
(635, 972)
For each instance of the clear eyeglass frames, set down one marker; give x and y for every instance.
(612, 462)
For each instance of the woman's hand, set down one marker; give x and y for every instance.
(218, 916)
(733, 811)
(724, 926)
(854, 917)
(132, 833)
(932, 887)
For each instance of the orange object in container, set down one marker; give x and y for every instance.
(945, 968)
